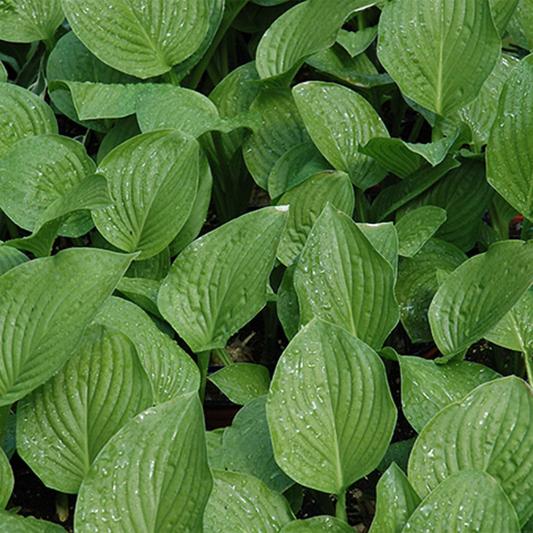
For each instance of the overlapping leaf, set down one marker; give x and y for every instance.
(318, 524)
(9, 258)
(242, 382)
(7, 480)
(417, 227)
(18, 524)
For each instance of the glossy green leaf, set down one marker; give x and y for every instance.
(300, 32)
(239, 256)
(10, 258)
(3, 73)
(36, 172)
(509, 160)
(395, 502)
(339, 120)
(384, 238)
(479, 293)
(332, 434)
(287, 303)
(502, 444)
(439, 53)
(143, 40)
(142, 292)
(7, 481)
(240, 503)
(306, 202)
(343, 279)
(171, 370)
(417, 284)
(215, 452)
(24, 21)
(19, 524)
(22, 114)
(242, 382)
(357, 42)
(155, 268)
(318, 524)
(417, 227)
(247, 447)
(466, 502)
(398, 452)
(42, 320)
(150, 477)
(153, 179)
(523, 19)
(63, 425)
(502, 11)
(428, 387)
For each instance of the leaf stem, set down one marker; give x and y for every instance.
(171, 77)
(203, 359)
(362, 208)
(529, 367)
(224, 356)
(340, 508)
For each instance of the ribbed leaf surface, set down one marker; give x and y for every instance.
(318, 524)
(243, 382)
(7, 481)
(417, 227)
(502, 11)
(18, 524)
(331, 434)
(10, 258)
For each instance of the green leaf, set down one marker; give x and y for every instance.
(23, 21)
(239, 256)
(242, 382)
(468, 501)
(501, 445)
(287, 303)
(3, 73)
(150, 477)
(357, 42)
(247, 447)
(98, 390)
(479, 293)
(10, 258)
(306, 202)
(395, 502)
(509, 160)
(300, 32)
(155, 268)
(428, 387)
(418, 283)
(18, 524)
(142, 292)
(417, 227)
(143, 40)
(523, 19)
(215, 453)
(339, 120)
(153, 180)
(318, 524)
(502, 11)
(23, 115)
(343, 279)
(172, 372)
(460, 48)
(7, 481)
(332, 434)
(384, 238)
(241, 503)
(36, 172)
(42, 320)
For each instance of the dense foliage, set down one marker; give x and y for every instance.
(393, 141)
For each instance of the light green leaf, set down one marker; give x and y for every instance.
(502, 11)
(338, 121)
(247, 447)
(150, 477)
(384, 238)
(357, 42)
(337, 276)
(239, 256)
(215, 453)
(395, 502)
(141, 39)
(36, 172)
(23, 114)
(242, 382)
(19, 524)
(171, 370)
(509, 159)
(332, 434)
(24, 21)
(3, 73)
(155, 268)
(41, 319)
(418, 283)
(428, 387)
(153, 180)
(7, 481)
(241, 503)
(63, 425)
(142, 292)
(439, 53)
(523, 19)
(306, 202)
(501, 445)
(468, 501)
(10, 258)
(300, 32)
(479, 293)
(318, 524)
(287, 303)
(417, 227)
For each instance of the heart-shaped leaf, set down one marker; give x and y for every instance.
(337, 276)
(466, 502)
(330, 435)
(318, 524)
(240, 255)
(98, 390)
(417, 227)
(501, 445)
(141, 39)
(150, 477)
(241, 503)
(153, 179)
(41, 316)
(7, 481)
(243, 382)
(18, 524)
(479, 293)
(461, 47)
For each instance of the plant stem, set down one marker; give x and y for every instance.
(4, 416)
(203, 363)
(361, 206)
(436, 133)
(340, 508)
(529, 367)
(171, 77)
(224, 356)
